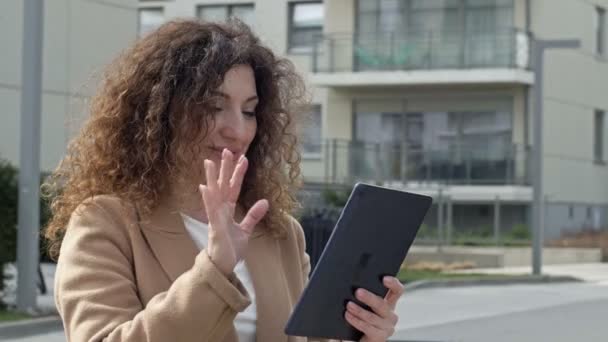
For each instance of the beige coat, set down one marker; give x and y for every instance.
(120, 278)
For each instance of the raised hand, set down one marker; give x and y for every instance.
(228, 239)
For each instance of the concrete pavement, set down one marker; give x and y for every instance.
(592, 272)
(552, 311)
(46, 302)
(523, 313)
(583, 321)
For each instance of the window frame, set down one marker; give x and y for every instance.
(147, 8)
(229, 7)
(314, 155)
(600, 31)
(599, 121)
(302, 49)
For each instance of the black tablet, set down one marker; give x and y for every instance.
(370, 240)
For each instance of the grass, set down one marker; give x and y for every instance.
(408, 276)
(7, 316)
(489, 242)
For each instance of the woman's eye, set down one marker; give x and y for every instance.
(249, 113)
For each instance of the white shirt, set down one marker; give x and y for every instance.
(245, 321)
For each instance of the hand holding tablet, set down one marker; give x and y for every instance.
(370, 241)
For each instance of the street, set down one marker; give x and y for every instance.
(544, 312)
(547, 312)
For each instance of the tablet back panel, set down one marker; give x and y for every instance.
(370, 240)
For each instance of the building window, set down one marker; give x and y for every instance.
(600, 31)
(460, 146)
(311, 135)
(244, 12)
(434, 33)
(484, 210)
(150, 19)
(598, 136)
(571, 211)
(305, 25)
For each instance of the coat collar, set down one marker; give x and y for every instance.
(167, 219)
(170, 242)
(166, 235)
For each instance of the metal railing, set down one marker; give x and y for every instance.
(389, 51)
(345, 162)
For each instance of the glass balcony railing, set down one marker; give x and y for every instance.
(346, 162)
(390, 51)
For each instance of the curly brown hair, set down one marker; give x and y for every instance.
(157, 98)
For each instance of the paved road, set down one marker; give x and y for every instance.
(542, 312)
(584, 321)
(55, 335)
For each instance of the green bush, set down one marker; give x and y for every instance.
(8, 211)
(9, 202)
(519, 232)
(426, 232)
(8, 217)
(336, 198)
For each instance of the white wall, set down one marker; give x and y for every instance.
(574, 85)
(80, 37)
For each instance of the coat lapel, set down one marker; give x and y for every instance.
(169, 241)
(272, 299)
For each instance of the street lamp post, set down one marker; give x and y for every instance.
(538, 50)
(29, 164)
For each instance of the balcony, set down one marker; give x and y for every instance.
(346, 162)
(422, 58)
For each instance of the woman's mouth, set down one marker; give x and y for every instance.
(217, 151)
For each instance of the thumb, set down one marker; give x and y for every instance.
(254, 215)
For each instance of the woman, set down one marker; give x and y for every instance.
(147, 253)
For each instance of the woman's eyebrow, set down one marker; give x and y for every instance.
(227, 96)
(252, 98)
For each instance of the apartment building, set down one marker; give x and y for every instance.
(432, 96)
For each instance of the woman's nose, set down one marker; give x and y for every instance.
(231, 125)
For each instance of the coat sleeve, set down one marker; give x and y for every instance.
(306, 265)
(96, 293)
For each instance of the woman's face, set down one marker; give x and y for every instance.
(235, 123)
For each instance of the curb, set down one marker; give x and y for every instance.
(29, 327)
(515, 280)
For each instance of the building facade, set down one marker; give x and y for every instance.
(431, 96)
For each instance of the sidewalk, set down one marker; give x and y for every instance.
(591, 273)
(46, 302)
(418, 308)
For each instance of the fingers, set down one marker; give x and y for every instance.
(371, 332)
(226, 187)
(226, 170)
(379, 323)
(211, 175)
(208, 201)
(395, 290)
(376, 303)
(368, 316)
(254, 215)
(231, 175)
(237, 179)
